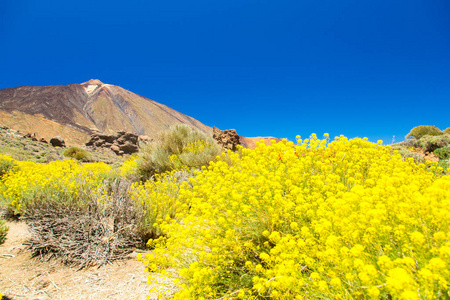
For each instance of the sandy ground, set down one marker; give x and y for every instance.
(22, 277)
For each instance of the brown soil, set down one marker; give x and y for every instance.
(23, 277)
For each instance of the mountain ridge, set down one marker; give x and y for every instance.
(89, 107)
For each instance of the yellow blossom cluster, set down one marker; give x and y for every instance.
(345, 219)
(158, 200)
(30, 181)
(196, 147)
(129, 166)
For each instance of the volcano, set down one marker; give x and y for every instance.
(75, 111)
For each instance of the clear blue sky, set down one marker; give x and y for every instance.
(373, 68)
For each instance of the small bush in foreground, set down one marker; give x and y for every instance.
(77, 153)
(317, 220)
(422, 130)
(94, 229)
(180, 146)
(3, 231)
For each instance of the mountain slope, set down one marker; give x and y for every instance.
(84, 108)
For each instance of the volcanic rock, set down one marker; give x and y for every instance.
(228, 139)
(121, 143)
(57, 141)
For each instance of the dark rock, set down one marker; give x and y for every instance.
(99, 143)
(57, 141)
(129, 148)
(115, 149)
(110, 138)
(122, 143)
(128, 137)
(93, 139)
(42, 140)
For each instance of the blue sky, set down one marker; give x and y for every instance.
(372, 68)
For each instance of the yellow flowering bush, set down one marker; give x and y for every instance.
(345, 219)
(158, 200)
(130, 167)
(57, 180)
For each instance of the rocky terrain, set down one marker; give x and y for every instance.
(22, 146)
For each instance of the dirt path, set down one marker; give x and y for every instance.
(22, 277)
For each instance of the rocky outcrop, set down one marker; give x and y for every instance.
(57, 141)
(228, 139)
(121, 143)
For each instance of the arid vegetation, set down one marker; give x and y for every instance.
(426, 143)
(315, 219)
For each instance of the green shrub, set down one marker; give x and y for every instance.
(430, 143)
(75, 152)
(443, 153)
(3, 231)
(422, 130)
(447, 130)
(180, 146)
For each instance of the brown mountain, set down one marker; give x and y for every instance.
(75, 111)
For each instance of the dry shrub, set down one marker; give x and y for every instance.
(180, 146)
(95, 234)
